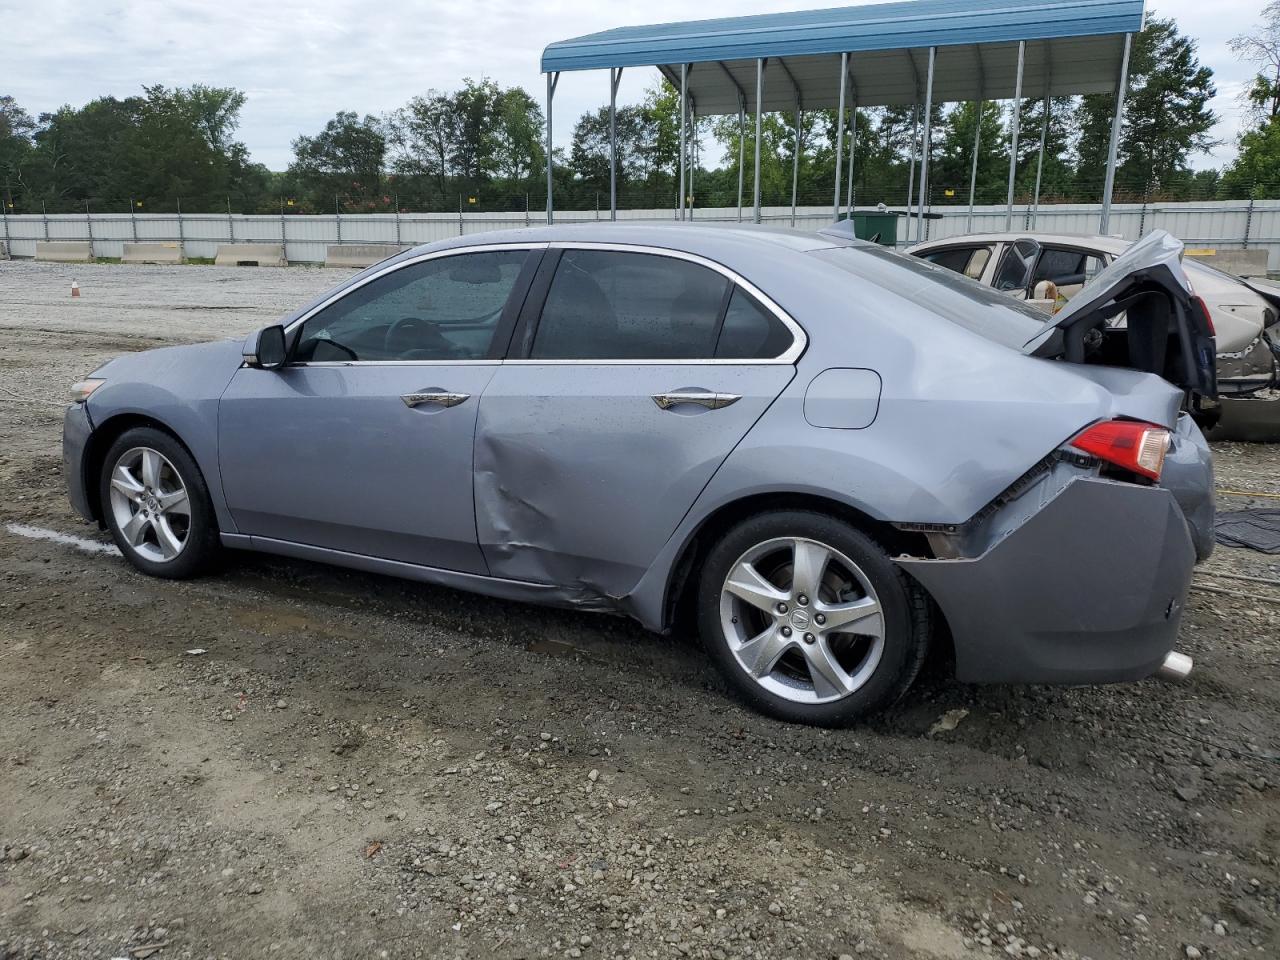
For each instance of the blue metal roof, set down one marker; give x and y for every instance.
(883, 26)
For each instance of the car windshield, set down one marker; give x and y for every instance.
(968, 303)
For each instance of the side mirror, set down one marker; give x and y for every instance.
(264, 348)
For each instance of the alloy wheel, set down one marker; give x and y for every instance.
(802, 620)
(150, 505)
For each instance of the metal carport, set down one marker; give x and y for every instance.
(890, 54)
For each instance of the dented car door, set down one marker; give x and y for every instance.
(634, 373)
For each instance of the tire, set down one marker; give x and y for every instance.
(824, 661)
(144, 513)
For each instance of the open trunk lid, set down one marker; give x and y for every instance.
(1166, 331)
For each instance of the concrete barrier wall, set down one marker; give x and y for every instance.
(358, 255)
(257, 254)
(150, 253)
(1240, 263)
(64, 251)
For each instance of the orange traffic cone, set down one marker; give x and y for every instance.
(75, 289)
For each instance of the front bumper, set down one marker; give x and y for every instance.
(1090, 589)
(76, 428)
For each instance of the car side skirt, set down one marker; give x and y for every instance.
(569, 597)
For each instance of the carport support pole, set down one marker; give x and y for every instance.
(742, 149)
(911, 169)
(1044, 133)
(684, 101)
(844, 69)
(853, 142)
(1013, 133)
(693, 154)
(1113, 147)
(552, 80)
(973, 169)
(615, 77)
(759, 101)
(795, 167)
(924, 148)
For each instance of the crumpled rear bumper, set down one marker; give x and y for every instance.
(1090, 589)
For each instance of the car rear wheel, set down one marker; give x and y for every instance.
(809, 619)
(157, 506)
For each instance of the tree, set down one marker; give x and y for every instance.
(16, 148)
(589, 153)
(517, 136)
(1262, 47)
(1057, 173)
(954, 165)
(423, 132)
(343, 159)
(1166, 118)
(1256, 169)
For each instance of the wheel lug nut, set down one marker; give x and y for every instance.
(820, 619)
(782, 608)
(802, 599)
(786, 631)
(809, 638)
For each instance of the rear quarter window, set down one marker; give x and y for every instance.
(965, 302)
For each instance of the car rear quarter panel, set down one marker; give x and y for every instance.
(960, 418)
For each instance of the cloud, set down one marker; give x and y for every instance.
(300, 61)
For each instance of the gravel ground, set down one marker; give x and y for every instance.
(356, 766)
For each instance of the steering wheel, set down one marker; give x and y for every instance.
(429, 340)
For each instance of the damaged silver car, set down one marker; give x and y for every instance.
(826, 455)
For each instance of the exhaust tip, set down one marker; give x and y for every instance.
(1176, 667)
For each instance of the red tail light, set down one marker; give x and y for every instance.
(1130, 444)
(1208, 317)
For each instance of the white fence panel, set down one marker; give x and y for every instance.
(1221, 224)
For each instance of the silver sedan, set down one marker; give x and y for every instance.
(824, 455)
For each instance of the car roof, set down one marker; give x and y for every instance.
(705, 239)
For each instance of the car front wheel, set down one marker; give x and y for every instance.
(809, 619)
(157, 506)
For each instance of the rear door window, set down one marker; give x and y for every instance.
(749, 331)
(970, 261)
(611, 305)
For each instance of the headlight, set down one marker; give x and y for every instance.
(80, 391)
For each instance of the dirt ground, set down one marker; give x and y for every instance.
(356, 766)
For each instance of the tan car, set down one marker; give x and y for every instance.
(1046, 269)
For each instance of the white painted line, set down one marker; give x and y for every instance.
(80, 543)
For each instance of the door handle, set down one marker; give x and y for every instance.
(437, 397)
(703, 398)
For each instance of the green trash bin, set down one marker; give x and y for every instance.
(881, 227)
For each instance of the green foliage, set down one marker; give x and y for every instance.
(1262, 47)
(954, 159)
(480, 139)
(1257, 168)
(1167, 116)
(344, 160)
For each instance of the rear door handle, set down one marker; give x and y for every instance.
(437, 397)
(703, 398)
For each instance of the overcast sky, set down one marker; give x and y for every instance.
(300, 61)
